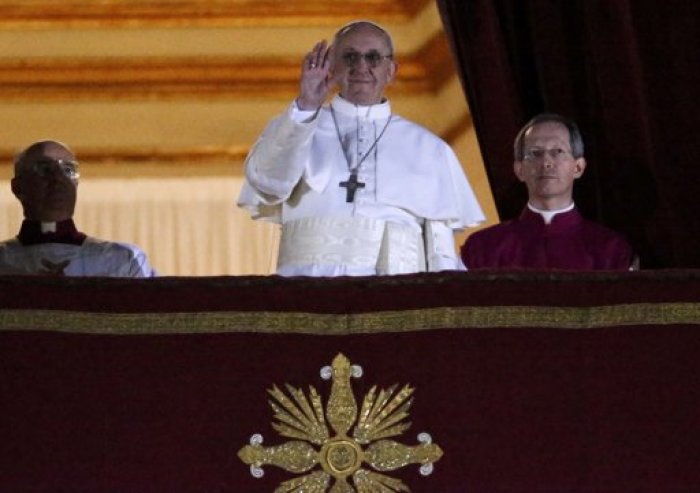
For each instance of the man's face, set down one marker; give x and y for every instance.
(42, 184)
(359, 81)
(548, 168)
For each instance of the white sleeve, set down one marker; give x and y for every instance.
(277, 161)
(138, 264)
(440, 250)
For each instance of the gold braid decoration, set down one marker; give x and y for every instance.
(354, 323)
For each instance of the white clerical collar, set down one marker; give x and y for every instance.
(549, 215)
(48, 227)
(379, 111)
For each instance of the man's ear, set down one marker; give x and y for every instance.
(518, 170)
(332, 77)
(330, 58)
(16, 188)
(579, 167)
(393, 69)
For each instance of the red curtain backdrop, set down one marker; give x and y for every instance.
(627, 72)
(529, 383)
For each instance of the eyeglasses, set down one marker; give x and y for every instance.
(538, 154)
(372, 58)
(68, 167)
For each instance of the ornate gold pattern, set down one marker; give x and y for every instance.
(202, 78)
(136, 156)
(462, 318)
(210, 13)
(341, 456)
(125, 162)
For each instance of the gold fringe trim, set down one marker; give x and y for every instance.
(356, 323)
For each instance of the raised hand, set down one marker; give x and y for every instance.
(315, 81)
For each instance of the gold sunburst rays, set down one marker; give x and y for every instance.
(381, 417)
(342, 454)
(299, 419)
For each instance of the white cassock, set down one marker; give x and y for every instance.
(93, 258)
(415, 193)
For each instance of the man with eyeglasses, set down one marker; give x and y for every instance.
(48, 243)
(358, 189)
(550, 232)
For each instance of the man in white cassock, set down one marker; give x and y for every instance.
(48, 243)
(357, 189)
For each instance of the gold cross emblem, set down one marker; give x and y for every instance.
(358, 439)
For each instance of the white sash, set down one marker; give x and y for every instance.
(357, 243)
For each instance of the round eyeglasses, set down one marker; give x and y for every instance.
(538, 154)
(372, 58)
(68, 167)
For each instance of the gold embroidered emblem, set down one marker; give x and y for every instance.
(359, 438)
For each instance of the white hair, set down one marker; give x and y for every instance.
(351, 26)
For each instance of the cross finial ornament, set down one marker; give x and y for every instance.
(351, 186)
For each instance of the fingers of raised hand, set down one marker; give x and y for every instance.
(317, 57)
(311, 62)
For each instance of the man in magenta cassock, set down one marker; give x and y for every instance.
(550, 232)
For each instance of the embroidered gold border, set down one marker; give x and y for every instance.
(355, 323)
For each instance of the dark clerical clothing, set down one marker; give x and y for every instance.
(569, 242)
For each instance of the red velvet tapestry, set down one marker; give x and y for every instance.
(527, 382)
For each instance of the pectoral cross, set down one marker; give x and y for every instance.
(351, 186)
